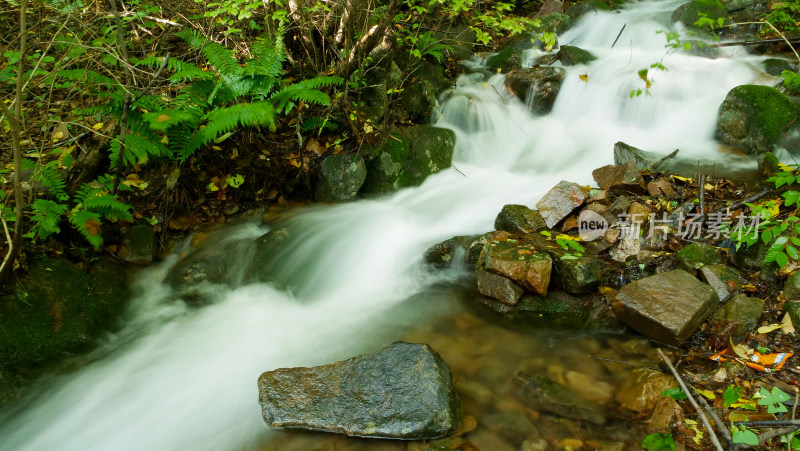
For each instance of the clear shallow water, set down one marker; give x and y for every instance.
(185, 378)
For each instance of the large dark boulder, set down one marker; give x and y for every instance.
(570, 55)
(404, 391)
(506, 60)
(667, 307)
(755, 118)
(340, 178)
(688, 13)
(408, 157)
(538, 87)
(60, 310)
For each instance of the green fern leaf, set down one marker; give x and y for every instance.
(88, 224)
(222, 59)
(164, 119)
(49, 177)
(46, 216)
(223, 120)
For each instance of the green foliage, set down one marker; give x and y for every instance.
(731, 395)
(675, 393)
(91, 204)
(743, 435)
(785, 16)
(782, 235)
(791, 80)
(217, 101)
(658, 442)
(773, 399)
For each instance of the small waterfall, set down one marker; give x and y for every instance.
(183, 378)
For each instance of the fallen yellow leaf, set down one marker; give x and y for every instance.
(585, 78)
(98, 126)
(163, 118)
(212, 187)
(742, 351)
(787, 326)
(707, 393)
(769, 328)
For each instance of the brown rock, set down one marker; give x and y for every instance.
(498, 287)
(619, 178)
(661, 188)
(519, 261)
(560, 201)
(667, 307)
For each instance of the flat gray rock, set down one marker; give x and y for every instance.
(404, 391)
(666, 307)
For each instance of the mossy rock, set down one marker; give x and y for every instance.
(61, 311)
(507, 60)
(776, 66)
(697, 255)
(689, 13)
(341, 176)
(570, 56)
(755, 118)
(408, 157)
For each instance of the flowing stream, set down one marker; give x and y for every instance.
(349, 279)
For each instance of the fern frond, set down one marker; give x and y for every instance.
(89, 77)
(192, 37)
(222, 59)
(88, 224)
(46, 216)
(164, 119)
(100, 201)
(267, 60)
(149, 103)
(223, 120)
(191, 73)
(304, 91)
(49, 177)
(138, 149)
(320, 82)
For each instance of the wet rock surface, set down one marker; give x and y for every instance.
(755, 118)
(625, 178)
(341, 176)
(560, 201)
(736, 318)
(542, 393)
(667, 307)
(519, 219)
(519, 260)
(403, 391)
(537, 87)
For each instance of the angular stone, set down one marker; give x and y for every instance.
(404, 391)
(738, 317)
(661, 188)
(570, 55)
(498, 287)
(475, 249)
(538, 87)
(666, 307)
(560, 201)
(755, 117)
(619, 178)
(791, 288)
(723, 279)
(341, 176)
(697, 255)
(768, 164)
(541, 393)
(519, 220)
(620, 206)
(639, 213)
(520, 261)
(444, 254)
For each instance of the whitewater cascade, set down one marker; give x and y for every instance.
(180, 378)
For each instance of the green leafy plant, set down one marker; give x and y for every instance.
(773, 399)
(743, 435)
(659, 442)
(214, 102)
(791, 80)
(675, 393)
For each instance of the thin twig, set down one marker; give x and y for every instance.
(677, 376)
(726, 434)
(768, 423)
(123, 123)
(619, 34)
(499, 95)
